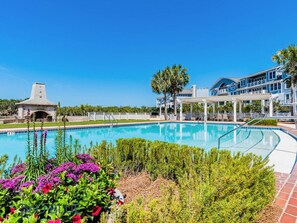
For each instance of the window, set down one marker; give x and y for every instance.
(270, 75)
(287, 96)
(279, 86)
(273, 74)
(271, 87)
(275, 86)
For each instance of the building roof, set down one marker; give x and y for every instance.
(260, 72)
(38, 96)
(213, 99)
(228, 78)
(36, 101)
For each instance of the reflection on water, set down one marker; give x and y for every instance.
(200, 135)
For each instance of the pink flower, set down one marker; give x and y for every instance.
(54, 221)
(12, 210)
(96, 211)
(76, 219)
(119, 202)
(47, 188)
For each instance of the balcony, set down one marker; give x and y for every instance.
(255, 83)
(222, 91)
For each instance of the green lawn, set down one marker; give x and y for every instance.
(47, 124)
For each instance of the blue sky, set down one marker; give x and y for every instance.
(105, 52)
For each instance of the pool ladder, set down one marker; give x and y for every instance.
(109, 119)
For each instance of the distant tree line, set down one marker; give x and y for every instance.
(84, 109)
(8, 107)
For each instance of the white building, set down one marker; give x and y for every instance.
(37, 105)
(185, 93)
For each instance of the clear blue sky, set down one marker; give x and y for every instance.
(105, 52)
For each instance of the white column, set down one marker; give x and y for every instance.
(213, 108)
(262, 106)
(191, 111)
(270, 107)
(234, 111)
(240, 107)
(181, 112)
(160, 112)
(205, 111)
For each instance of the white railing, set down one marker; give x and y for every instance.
(118, 116)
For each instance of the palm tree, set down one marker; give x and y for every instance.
(161, 85)
(288, 59)
(178, 80)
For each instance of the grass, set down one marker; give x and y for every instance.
(50, 124)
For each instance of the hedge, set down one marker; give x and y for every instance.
(212, 186)
(269, 122)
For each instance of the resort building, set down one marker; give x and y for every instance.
(266, 81)
(37, 105)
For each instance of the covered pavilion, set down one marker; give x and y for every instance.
(235, 99)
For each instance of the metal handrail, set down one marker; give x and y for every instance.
(239, 126)
(260, 119)
(110, 118)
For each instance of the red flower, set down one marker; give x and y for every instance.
(66, 189)
(119, 202)
(47, 188)
(12, 210)
(96, 211)
(36, 215)
(111, 191)
(76, 219)
(1, 219)
(54, 221)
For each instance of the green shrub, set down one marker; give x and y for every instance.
(269, 122)
(213, 186)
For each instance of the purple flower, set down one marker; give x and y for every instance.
(20, 168)
(72, 176)
(35, 139)
(44, 136)
(12, 183)
(88, 167)
(49, 167)
(27, 184)
(68, 166)
(85, 158)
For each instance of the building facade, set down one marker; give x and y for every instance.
(265, 81)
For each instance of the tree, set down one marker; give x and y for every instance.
(161, 85)
(288, 59)
(178, 80)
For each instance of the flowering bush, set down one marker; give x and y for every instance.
(77, 191)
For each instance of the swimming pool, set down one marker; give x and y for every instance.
(257, 140)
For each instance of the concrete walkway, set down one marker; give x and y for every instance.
(286, 187)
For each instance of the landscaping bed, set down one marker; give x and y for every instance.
(163, 182)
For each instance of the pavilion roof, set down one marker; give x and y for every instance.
(213, 99)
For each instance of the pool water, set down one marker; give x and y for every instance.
(259, 141)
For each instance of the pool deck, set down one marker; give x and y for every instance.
(78, 126)
(286, 188)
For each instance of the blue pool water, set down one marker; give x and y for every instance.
(260, 141)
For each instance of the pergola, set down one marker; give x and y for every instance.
(224, 98)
